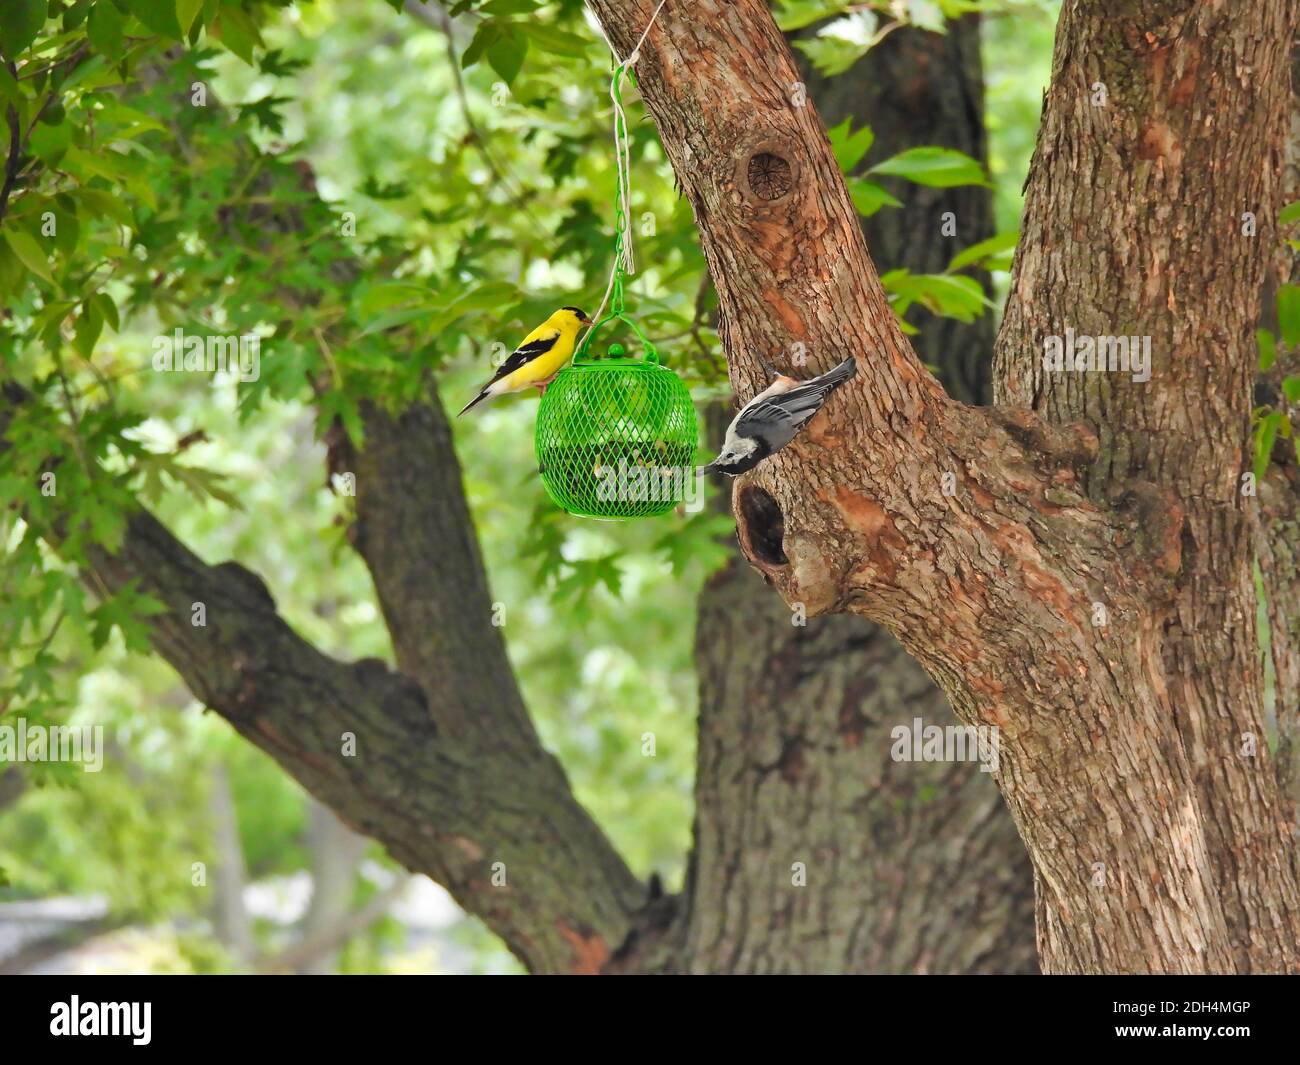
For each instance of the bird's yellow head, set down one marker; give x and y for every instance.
(568, 320)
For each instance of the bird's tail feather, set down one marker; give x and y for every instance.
(824, 384)
(474, 402)
(839, 374)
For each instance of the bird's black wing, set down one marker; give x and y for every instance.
(779, 417)
(767, 419)
(787, 410)
(523, 355)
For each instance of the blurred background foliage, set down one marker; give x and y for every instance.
(450, 176)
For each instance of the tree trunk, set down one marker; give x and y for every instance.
(1170, 181)
(1074, 586)
(908, 867)
(336, 853)
(232, 922)
(814, 851)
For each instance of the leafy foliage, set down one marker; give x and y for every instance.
(380, 203)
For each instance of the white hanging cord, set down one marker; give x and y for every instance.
(636, 48)
(623, 161)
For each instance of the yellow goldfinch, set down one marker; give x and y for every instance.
(538, 359)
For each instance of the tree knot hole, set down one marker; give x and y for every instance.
(770, 176)
(764, 526)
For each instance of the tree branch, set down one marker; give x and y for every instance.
(969, 534)
(414, 532)
(363, 740)
(491, 818)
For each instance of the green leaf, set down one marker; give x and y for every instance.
(9, 91)
(1267, 348)
(75, 14)
(506, 56)
(131, 121)
(67, 231)
(1265, 438)
(237, 32)
(107, 309)
(953, 296)
(1290, 213)
(985, 249)
(936, 167)
(557, 42)
(1291, 389)
(50, 317)
(850, 147)
(395, 318)
(12, 276)
(104, 28)
(486, 34)
(110, 165)
(85, 333)
(29, 253)
(158, 16)
(494, 295)
(103, 204)
(50, 143)
(868, 197)
(186, 10)
(20, 22)
(796, 14)
(1288, 314)
(387, 294)
(202, 484)
(126, 611)
(832, 56)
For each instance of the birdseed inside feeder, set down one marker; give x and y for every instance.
(616, 436)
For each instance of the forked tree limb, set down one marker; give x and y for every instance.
(368, 743)
(491, 817)
(1039, 606)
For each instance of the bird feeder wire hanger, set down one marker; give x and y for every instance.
(624, 259)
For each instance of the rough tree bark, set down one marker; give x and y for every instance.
(1180, 81)
(910, 868)
(1155, 847)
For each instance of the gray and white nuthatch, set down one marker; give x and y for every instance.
(774, 417)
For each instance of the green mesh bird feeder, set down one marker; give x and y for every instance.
(616, 436)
